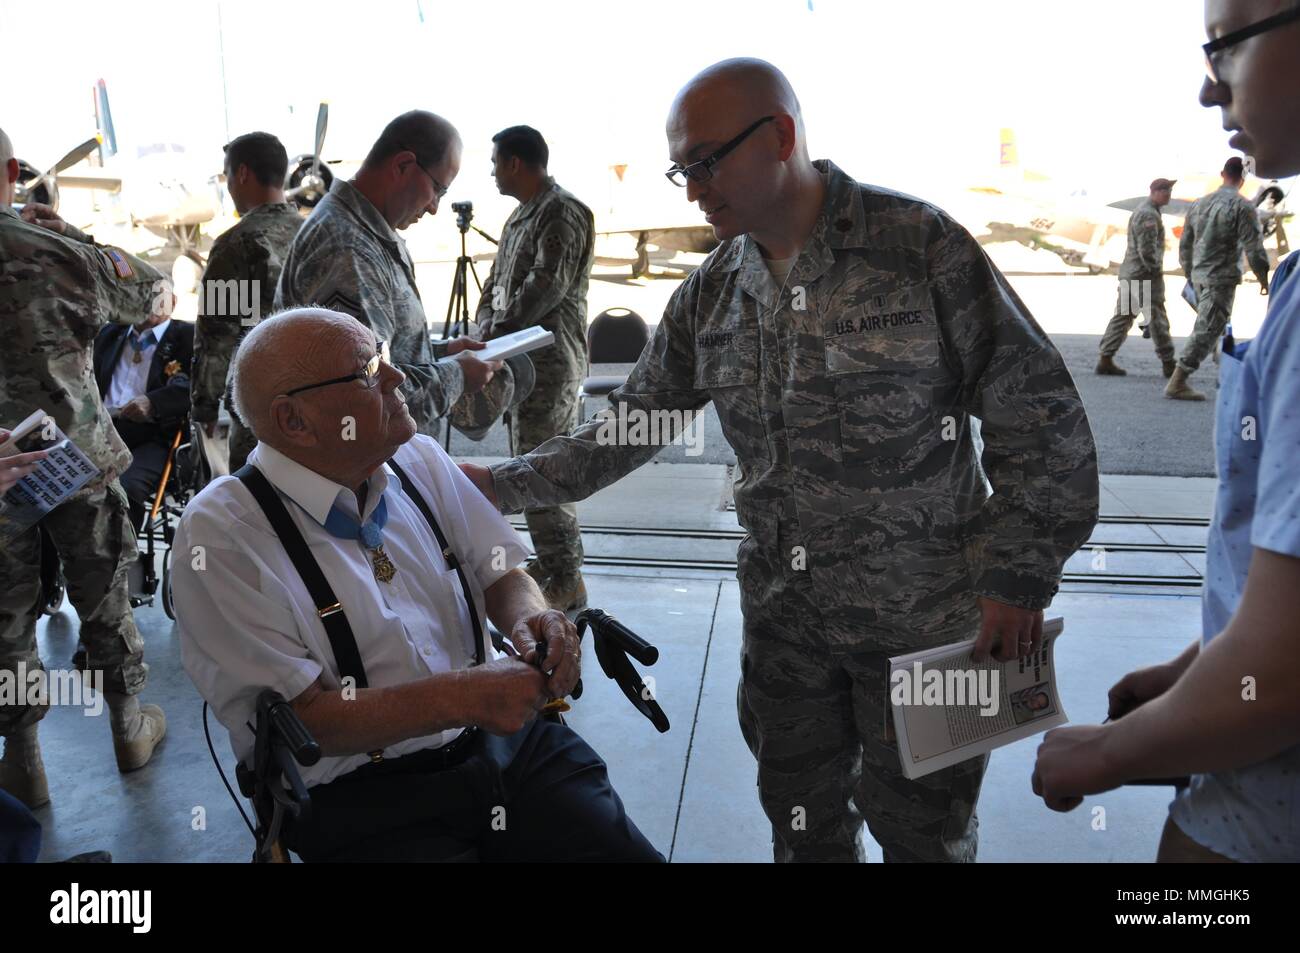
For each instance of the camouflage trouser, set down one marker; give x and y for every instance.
(1213, 311)
(1128, 306)
(552, 408)
(817, 723)
(93, 535)
(240, 442)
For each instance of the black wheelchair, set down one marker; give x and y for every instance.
(184, 474)
(275, 788)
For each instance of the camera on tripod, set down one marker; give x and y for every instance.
(464, 214)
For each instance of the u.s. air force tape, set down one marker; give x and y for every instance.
(880, 322)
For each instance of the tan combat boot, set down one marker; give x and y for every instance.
(22, 773)
(534, 569)
(1179, 389)
(137, 729)
(1106, 366)
(568, 593)
(1168, 368)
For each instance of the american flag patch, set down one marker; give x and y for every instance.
(120, 264)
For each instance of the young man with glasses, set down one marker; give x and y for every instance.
(348, 257)
(846, 335)
(1227, 711)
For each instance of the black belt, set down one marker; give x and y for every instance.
(455, 752)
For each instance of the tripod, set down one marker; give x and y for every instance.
(457, 320)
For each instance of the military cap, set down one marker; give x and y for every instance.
(474, 414)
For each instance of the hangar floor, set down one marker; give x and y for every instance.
(692, 790)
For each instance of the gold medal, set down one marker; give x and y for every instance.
(137, 359)
(382, 565)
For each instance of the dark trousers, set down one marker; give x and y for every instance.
(20, 832)
(141, 478)
(540, 795)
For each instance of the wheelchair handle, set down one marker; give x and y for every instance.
(287, 728)
(623, 637)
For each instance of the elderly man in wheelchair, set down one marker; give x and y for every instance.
(349, 567)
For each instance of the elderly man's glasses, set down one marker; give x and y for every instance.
(439, 189)
(702, 170)
(368, 375)
(1215, 47)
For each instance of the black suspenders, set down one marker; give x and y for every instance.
(342, 641)
(447, 554)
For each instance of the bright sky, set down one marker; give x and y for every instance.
(1101, 93)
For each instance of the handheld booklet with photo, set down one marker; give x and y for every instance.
(946, 707)
(61, 474)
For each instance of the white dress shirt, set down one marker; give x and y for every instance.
(247, 621)
(129, 378)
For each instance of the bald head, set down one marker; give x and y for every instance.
(285, 351)
(741, 86)
(6, 147)
(426, 134)
(412, 163)
(736, 132)
(344, 423)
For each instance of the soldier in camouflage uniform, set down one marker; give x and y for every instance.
(539, 277)
(239, 282)
(59, 290)
(1142, 284)
(1217, 230)
(846, 390)
(348, 257)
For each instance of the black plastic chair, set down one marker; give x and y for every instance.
(615, 336)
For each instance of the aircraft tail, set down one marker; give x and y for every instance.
(104, 119)
(1008, 157)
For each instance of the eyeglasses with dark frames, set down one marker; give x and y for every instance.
(369, 374)
(1215, 47)
(439, 189)
(702, 170)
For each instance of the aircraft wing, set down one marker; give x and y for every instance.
(674, 238)
(685, 238)
(90, 180)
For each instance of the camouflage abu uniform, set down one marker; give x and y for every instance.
(253, 250)
(1218, 228)
(1144, 261)
(56, 292)
(348, 258)
(869, 528)
(539, 277)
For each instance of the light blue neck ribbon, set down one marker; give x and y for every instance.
(141, 342)
(371, 534)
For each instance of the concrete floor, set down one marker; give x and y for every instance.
(692, 790)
